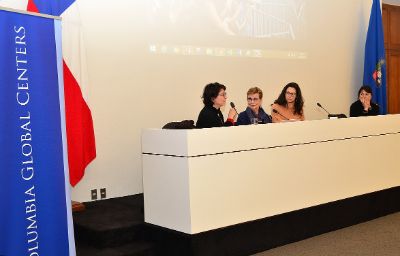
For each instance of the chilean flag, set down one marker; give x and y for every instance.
(79, 123)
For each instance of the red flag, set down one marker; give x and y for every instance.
(32, 7)
(79, 122)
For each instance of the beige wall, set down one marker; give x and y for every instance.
(131, 89)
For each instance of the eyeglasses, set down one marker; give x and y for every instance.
(252, 99)
(223, 94)
(291, 94)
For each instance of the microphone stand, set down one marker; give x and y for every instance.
(331, 115)
(319, 105)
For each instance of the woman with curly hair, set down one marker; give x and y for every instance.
(289, 105)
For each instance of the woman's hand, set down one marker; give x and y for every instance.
(366, 103)
(232, 114)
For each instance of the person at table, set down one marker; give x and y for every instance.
(364, 106)
(289, 105)
(214, 97)
(254, 113)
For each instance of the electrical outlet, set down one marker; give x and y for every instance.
(103, 193)
(94, 194)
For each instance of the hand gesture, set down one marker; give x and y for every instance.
(366, 103)
(232, 114)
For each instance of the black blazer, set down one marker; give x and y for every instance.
(211, 117)
(357, 109)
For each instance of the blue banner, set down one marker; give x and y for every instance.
(374, 62)
(35, 207)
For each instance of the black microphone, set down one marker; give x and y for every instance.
(276, 111)
(331, 115)
(233, 106)
(319, 105)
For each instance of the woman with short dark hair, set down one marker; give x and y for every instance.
(364, 105)
(289, 105)
(214, 97)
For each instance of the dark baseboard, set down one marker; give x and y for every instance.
(267, 233)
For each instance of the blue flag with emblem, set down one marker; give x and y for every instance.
(374, 62)
(35, 205)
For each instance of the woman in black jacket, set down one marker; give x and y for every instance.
(214, 97)
(364, 106)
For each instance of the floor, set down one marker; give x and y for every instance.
(379, 237)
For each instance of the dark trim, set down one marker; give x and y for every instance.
(279, 146)
(263, 234)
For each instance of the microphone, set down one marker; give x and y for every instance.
(276, 112)
(233, 106)
(319, 105)
(331, 115)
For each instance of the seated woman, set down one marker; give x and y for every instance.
(254, 112)
(364, 106)
(214, 97)
(289, 105)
